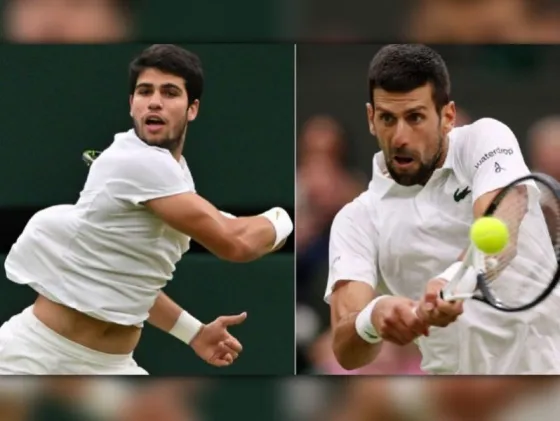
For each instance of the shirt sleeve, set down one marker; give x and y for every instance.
(352, 247)
(148, 175)
(493, 157)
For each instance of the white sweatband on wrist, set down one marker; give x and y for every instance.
(282, 223)
(186, 327)
(411, 399)
(450, 272)
(228, 215)
(363, 324)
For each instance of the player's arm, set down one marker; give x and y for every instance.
(493, 160)
(212, 342)
(351, 284)
(152, 178)
(165, 314)
(236, 239)
(490, 160)
(359, 320)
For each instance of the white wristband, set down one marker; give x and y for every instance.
(282, 223)
(186, 327)
(449, 273)
(363, 324)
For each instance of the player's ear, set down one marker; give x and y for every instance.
(130, 103)
(192, 111)
(449, 115)
(370, 117)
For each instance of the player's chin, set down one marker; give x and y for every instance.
(405, 169)
(154, 137)
(405, 176)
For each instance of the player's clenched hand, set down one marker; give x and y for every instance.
(394, 320)
(214, 344)
(434, 310)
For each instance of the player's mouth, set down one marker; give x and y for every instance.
(154, 123)
(403, 161)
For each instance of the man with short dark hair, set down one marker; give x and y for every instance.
(99, 265)
(430, 181)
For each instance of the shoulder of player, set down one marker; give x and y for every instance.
(480, 137)
(487, 126)
(483, 132)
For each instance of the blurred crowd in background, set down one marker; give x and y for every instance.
(428, 21)
(335, 153)
(283, 399)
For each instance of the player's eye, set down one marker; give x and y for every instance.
(143, 92)
(387, 118)
(170, 94)
(415, 118)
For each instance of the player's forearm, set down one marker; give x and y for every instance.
(168, 316)
(164, 313)
(350, 350)
(256, 236)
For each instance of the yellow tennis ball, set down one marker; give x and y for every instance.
(489, 235)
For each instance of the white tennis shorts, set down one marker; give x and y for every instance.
(28, 347)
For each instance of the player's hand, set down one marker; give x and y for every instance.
(215, 345)
(395, 321)
(435, 311)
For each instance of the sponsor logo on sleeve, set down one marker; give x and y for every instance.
(491, 154)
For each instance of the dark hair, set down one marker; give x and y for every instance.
(171, 59)
(405, 67)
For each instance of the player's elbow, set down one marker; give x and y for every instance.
(352, 352)
(346, 358)
(239, 251)
(346, 361)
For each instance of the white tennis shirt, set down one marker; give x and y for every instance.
(107, 255)
(396, 238)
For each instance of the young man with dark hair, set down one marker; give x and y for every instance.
(99, 265)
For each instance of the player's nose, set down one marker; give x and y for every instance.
(155, 102)
(400, 135)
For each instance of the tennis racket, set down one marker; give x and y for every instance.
(89, 156)
(531, 206)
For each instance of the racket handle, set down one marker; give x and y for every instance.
(461, 288)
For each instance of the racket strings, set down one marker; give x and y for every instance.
(511, 211)
(524, 269)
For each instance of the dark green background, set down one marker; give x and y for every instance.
(60, 100)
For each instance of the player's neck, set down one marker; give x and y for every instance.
(443, 154)
(178, 151)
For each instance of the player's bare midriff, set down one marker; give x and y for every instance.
(106, 337)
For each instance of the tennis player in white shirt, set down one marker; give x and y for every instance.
(99, 265)
(387, 247)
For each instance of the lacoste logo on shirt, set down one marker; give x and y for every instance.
(461, 194)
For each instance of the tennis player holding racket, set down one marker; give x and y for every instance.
(395, 248)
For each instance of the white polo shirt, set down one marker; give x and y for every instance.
(396, 238)
(107, 255)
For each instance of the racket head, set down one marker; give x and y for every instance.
(89, 156)
(530, 205)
